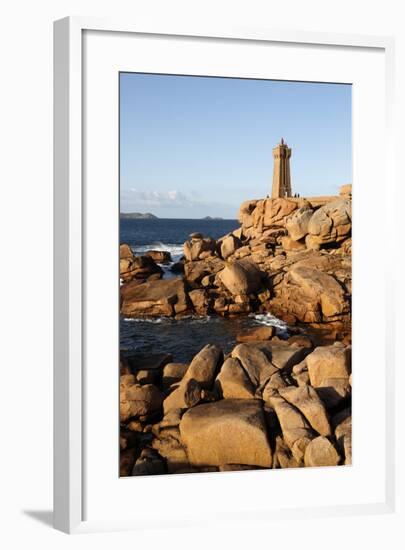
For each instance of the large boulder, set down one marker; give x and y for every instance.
(321, 452)
(256, 364)
(256, 334)
(138, 267)
(125, 252)
(283, 457)
(194, 272)
(197, 246)
(205, 365)
(306, 400)
(232, 382)
(230, 431)
(329, 369)
(297, 431)
(261, 360)
(331, 223)
(297, 223)
(186, 395)
(329, 362)
(168, 444)
(137, 400)
(277, 210)
(245, 213)
(200, 301)
(310, 295)
(161, 297)
(229, 245)
(241, 277)
(173, 373)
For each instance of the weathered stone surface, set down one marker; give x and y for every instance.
(194, 272)
(137, 400)
(321, 452)
(255, 334)
(125, 252)
(230, 431)
(283, 354)
(283, 457)
(173, 372)
(232, 381)
(327, 362)
(296, 429)
(306, 400)
(159, 256)
(169, 446)
(332, 222)
(291, 245)
(245, 213)
(171, 419)
(346, 190)
(196, 246)
(319, 288)
(163, 297)
(199, 299)
(205, 365)
(186, 395)
(297, 223)
(147, 367)
(241, 277)
(343, 434)
(138, 267)
(333, 391)
(308, 293)
(276, 381)
(256, 363)
(277, 210)
(229, 245)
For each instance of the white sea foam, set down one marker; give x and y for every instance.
(176, 250)
(270, 320)
(200, 319)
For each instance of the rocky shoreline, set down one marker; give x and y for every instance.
(270, 403)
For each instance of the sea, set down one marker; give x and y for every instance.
(183, 338)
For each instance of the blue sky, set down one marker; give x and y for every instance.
(197, 146)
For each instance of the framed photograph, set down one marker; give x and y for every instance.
(218, 334)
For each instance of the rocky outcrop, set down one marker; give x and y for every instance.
(230, 431)
(138, 401)
(153, 298)
(198, 247)
(330, 223)
(241, 277)
(138, 267)
(290, 257)
(159, 256)
(243, 411)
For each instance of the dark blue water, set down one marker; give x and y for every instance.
(169, 234)
(182, 338)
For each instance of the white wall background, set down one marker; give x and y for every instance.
(26, 251)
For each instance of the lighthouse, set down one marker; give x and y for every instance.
(281, 172)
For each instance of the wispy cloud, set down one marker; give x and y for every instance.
(171, 201)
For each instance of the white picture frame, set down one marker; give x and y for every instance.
(72, 383)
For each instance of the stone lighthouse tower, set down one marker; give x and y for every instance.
(281, 172)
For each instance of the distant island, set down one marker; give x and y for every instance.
(210, 218)
(137, 216)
